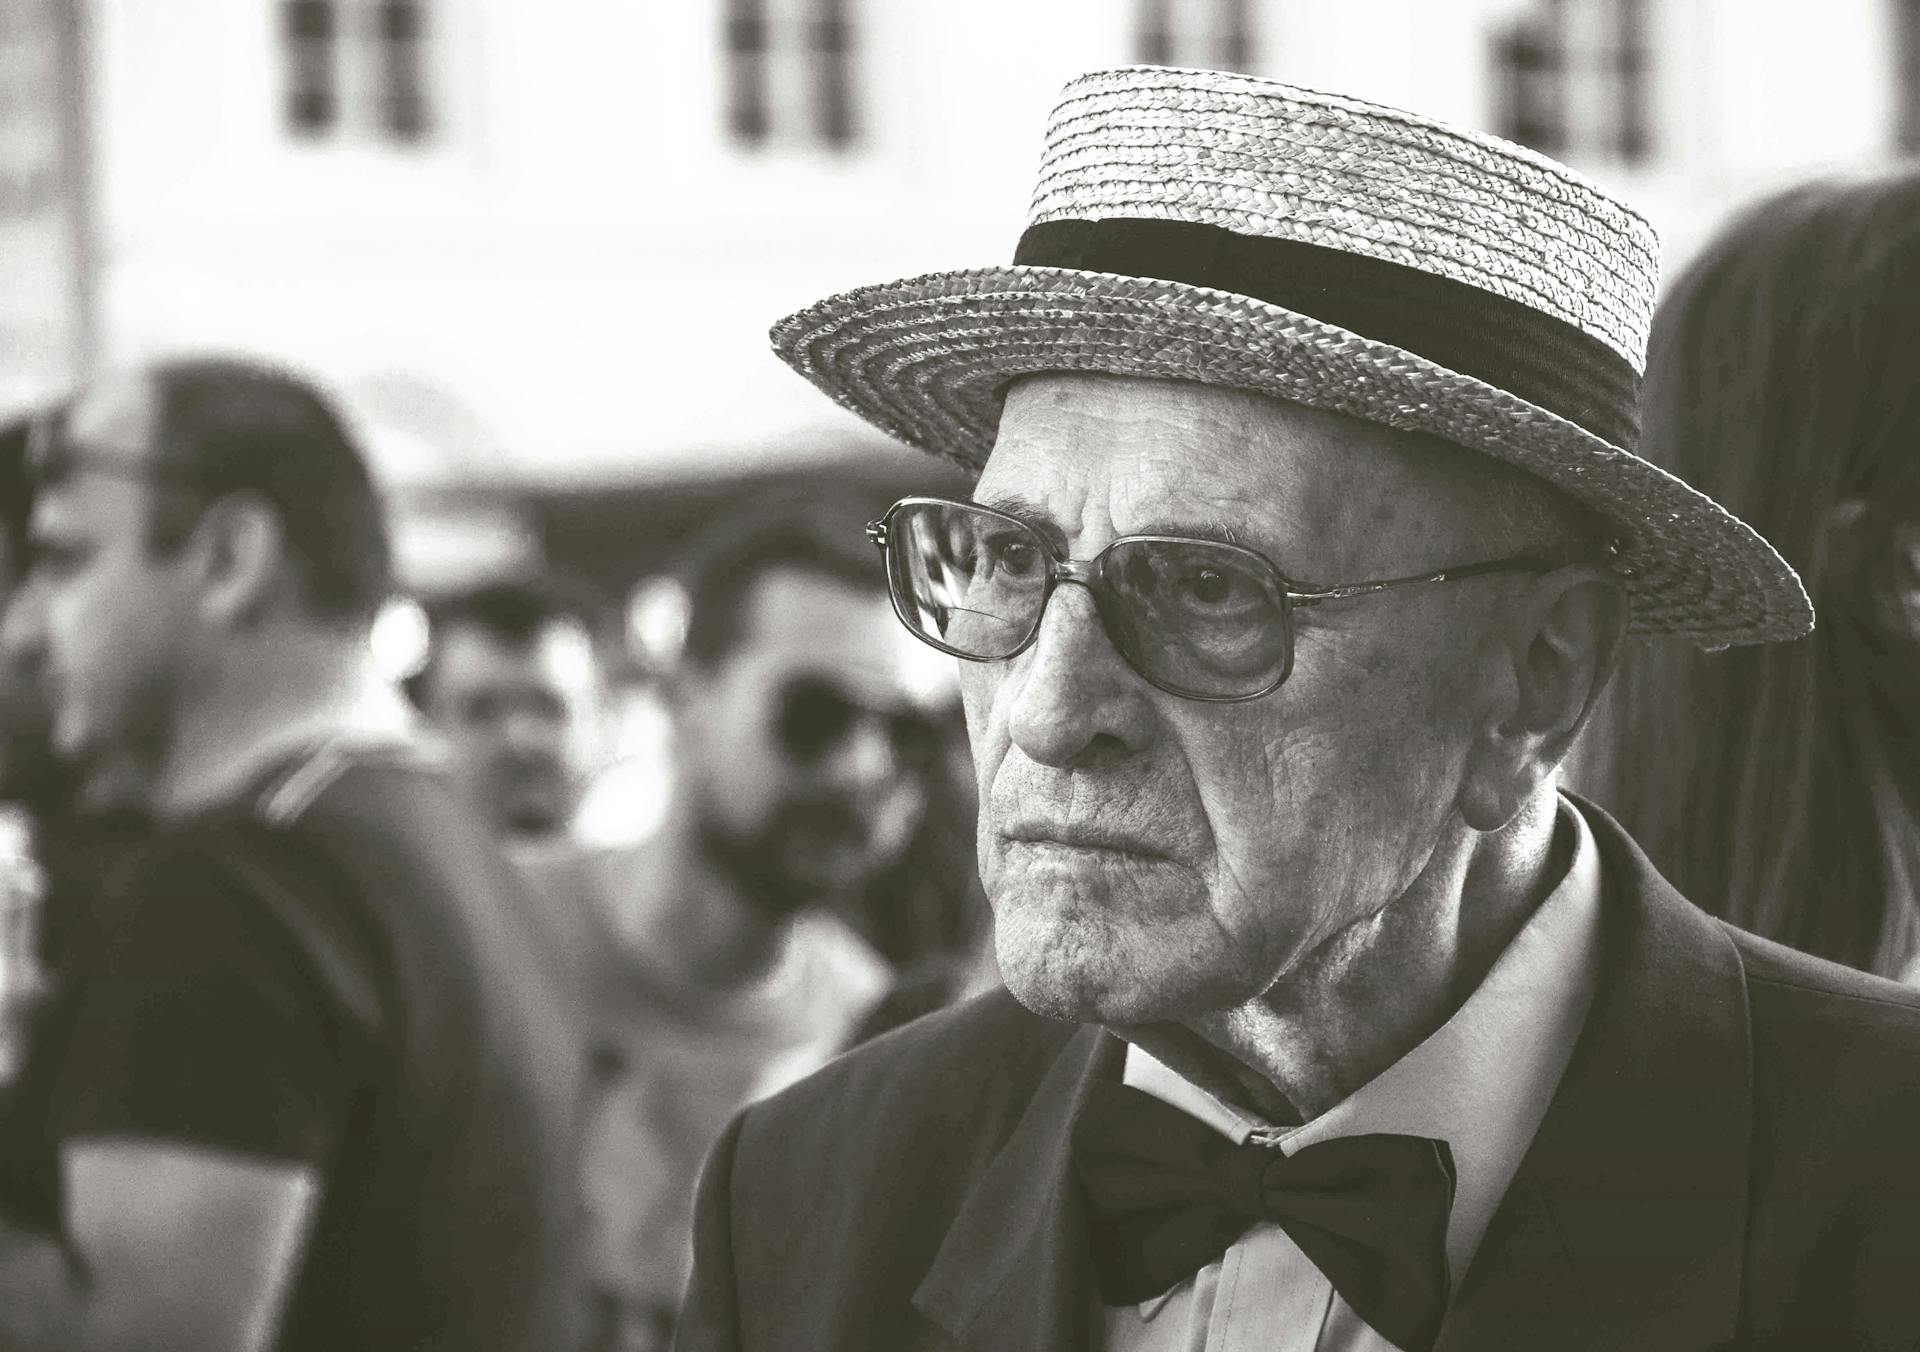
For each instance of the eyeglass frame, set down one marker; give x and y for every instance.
(1087, 573)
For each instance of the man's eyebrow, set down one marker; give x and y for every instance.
(1031, 511)
(1196, 528)
(1041, 519)
(1027, 509)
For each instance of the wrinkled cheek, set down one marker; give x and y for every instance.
(980, 684)
(1279, 855)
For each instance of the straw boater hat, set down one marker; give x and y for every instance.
(1201, 226)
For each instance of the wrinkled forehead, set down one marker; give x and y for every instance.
(1124, 455)
(797, 621)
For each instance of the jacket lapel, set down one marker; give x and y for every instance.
(1625, 1224)
(1014, 1270)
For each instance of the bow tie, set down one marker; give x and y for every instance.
(1169, 1195)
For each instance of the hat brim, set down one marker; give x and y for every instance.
(928, 360)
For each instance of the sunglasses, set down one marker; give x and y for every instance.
(1199, 619)
(814, 717)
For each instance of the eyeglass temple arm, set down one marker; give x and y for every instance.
(1522, 564)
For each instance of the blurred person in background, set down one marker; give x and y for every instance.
(25, 761)
(309, 1097)
(514, 687)
(517, 696)
(54, 863)
(1779, 786)
(804, 736)
(928, 916)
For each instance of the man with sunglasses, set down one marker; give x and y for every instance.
(805, 731)
(302, 1088)
(1306, 531)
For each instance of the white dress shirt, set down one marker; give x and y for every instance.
(1481, 1083)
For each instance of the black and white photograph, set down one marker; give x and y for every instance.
(904, 676)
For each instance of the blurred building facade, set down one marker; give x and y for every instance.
(538, 242)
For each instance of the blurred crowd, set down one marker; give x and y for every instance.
(388, 1051)
(320, 1015)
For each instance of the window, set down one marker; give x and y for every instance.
(1572, 79)
(401, 57)
(1212, 34)
(1906, 46)
(790, 73)
(313, 94)
(356, 69)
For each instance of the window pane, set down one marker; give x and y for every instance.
(1633, 59)
(1234, 36)
(313, 19)
(309, 33)
(833, 71)
(1532, 87)
(1155, 34)
(746, 40)
(403, 96)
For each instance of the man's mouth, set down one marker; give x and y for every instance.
(1088, 839)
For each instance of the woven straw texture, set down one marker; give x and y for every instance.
(928, 359)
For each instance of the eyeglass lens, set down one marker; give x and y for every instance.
(1194, 617)
(814, 717)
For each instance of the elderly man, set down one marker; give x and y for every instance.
(1306, 533)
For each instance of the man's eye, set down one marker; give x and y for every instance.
(1012, 555)
(1211, 586)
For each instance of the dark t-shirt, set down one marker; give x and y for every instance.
(76, 860)
(334, 974)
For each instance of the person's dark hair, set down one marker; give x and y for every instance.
(515, 611)
(226, 426)
(1779, 786)
(809, 536)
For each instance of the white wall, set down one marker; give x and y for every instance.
(575, 281)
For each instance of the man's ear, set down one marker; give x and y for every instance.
(239, 549)
(1551, 654)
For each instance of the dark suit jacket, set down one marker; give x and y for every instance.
(1732, 1159)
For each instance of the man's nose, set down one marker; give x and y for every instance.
(1073, 697)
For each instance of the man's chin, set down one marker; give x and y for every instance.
(1079, 979)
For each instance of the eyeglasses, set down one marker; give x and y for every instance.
(813, 718)
(1196, 618)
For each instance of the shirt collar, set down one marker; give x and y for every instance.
(372, 713)
(1483, 1080)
